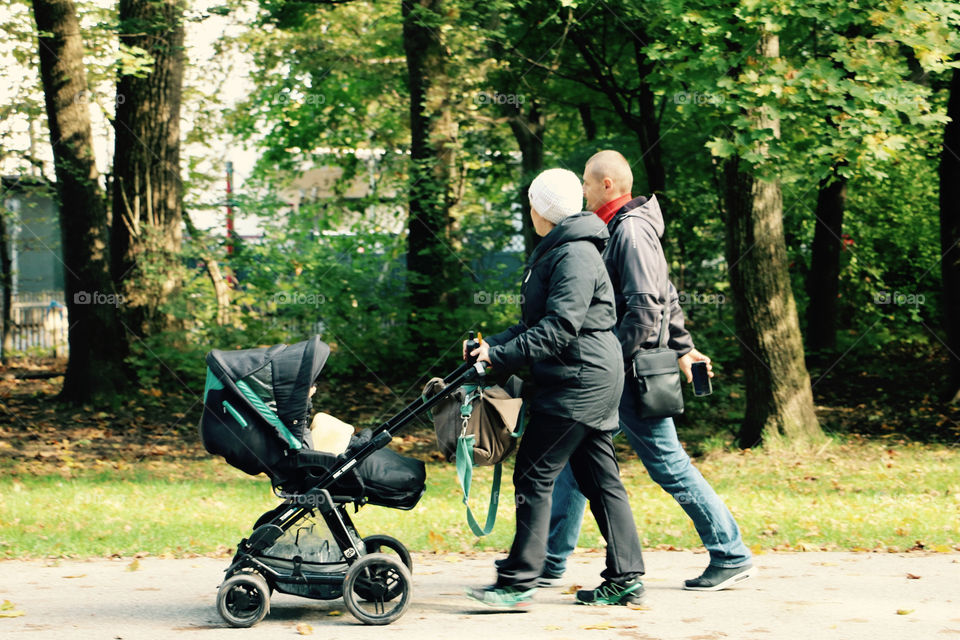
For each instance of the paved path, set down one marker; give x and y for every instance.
(803, 595)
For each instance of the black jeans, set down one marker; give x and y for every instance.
(547, 444)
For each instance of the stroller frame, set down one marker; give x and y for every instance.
(376, 587)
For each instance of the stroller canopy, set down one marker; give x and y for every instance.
(279, 376)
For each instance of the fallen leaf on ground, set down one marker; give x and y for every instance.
(79, 575)
(573, 589)
(903, 612)
(9, 610)
(912, 576)
(335, 612)
(598, 627)
(133, 566)
(304, 629)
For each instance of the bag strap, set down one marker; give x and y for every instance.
(465, 475)
(664, 291)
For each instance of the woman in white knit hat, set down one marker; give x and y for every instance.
(566, 338)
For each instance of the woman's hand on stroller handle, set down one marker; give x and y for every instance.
(475, 349)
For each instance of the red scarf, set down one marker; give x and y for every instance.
(607, 211)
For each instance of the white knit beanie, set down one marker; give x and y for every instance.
(556, 194)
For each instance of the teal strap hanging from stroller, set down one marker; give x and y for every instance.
(465, 464)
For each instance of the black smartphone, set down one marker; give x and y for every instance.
(701, 381)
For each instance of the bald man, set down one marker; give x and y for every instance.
(638, 270)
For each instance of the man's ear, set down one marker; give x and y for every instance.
(607, 184)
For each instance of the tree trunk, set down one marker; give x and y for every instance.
(221, 287)
(950, 236)
(823, 283)
(433, 139)
(94, 369)
(528, 130)
(147, 190)
(586, 118)
(648, 129)
(6, 281)
(779, 395)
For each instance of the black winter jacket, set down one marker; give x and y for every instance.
(638, 271)
(566, 335)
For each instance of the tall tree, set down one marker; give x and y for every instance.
(624, 79)
(528, 125)
(147, 190)
(779, 395)
(94, 369)
(950, 235)
(433, 151)
(823, 283)
(6, 282)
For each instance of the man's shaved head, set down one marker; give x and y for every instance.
(611, 164)
(606, 177)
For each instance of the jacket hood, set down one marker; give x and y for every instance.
(648, 209)
(580, 226)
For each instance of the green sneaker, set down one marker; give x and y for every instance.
(502, 597)
(631, 592)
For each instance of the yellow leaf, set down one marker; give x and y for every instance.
(8, 610)
(335, 612)
(602, 626)
(573, 589)
(552, 627)
(79, 575)
(903, 612)
(133, 566)
(304, 629)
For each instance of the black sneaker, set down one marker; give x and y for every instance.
(612, 593)
(718, 578)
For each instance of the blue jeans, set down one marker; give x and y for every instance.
(655, 441)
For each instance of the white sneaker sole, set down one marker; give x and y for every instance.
(729, 582)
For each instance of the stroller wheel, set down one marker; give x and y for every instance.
(384, 544)
(244, 599)
(377, 589)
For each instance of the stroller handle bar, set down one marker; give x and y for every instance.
(381, 436)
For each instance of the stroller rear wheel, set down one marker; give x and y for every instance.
(377, 589)
(244, 599)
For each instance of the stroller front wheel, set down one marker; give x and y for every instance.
(244, 599)
(377, 589)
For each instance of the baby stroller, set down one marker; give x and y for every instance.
(256, 407)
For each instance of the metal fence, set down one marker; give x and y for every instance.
(39, 323)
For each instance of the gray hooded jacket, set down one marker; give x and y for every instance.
(638, 271)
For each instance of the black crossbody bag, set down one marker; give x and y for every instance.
(656, 374)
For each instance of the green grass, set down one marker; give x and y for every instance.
(854, 496)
